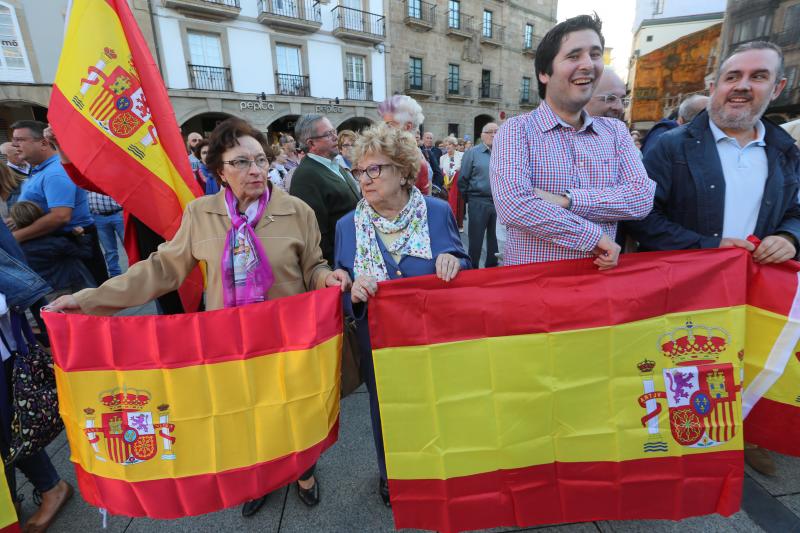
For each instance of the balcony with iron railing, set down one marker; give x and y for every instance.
(788, 38)
(213, 9)
(357, 90)
(303, 16)
(420, 15)
(490, 92)
(420, 84)
(457, 89)
(292, 85)
(208, 78)
(492, 33)
(529, 48)
(460, 25)
(356, 25)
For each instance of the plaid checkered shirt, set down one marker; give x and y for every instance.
(100, 204)
(598, 165)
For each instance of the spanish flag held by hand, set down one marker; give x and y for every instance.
(555, 393)
(114, 120)
(172, 416)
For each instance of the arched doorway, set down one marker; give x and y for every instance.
(12, 111)
(285, 124)
(355, 124)
(479, 123)
(203, 123)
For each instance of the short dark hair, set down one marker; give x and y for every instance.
(755, 45)
(37, 128)
(198, 147)
(548, 49)
(224, 137)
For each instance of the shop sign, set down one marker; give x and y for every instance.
(245, 105)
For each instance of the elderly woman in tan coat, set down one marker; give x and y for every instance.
(256, 242)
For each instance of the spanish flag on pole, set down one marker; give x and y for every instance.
(113, 119)
(188, 414)
(554, 393)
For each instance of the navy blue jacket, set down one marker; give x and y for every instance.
(444, 240)
(661, 127)
(690, 193)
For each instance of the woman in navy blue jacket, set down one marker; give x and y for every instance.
(394, 232)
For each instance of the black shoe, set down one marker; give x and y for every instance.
(383, 489)
(252, 507)
(310, 496)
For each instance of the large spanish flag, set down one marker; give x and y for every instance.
(170, 416)
(9, 523)
(113, 119)
(554, 393)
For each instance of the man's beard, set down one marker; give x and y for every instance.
(741, 120)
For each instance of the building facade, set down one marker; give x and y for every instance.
(778, 22)
(269, 61)
(667, 75)
(28, 58)
(467, 62)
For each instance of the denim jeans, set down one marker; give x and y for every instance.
(109, 227)
(20, 284)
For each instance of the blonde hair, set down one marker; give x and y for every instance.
(398, 145)
(346, 134)
(25, 213)
(9, 181)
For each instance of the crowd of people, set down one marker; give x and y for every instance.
(320, 208)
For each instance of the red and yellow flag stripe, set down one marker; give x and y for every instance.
(188, 414)
(518, 400)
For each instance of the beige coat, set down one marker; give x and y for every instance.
(288, 232)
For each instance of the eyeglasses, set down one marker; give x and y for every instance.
(331, 134)
(244, 164)
(372, 172)
(490, 132)
(21, 139)
(347, 145)
(612, 99)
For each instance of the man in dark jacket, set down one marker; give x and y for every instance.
(432, 156)
(473, 183)
(320, 181)
(728, 175)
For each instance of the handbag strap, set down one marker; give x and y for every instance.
(23, 334)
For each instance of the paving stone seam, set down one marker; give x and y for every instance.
(283, 507)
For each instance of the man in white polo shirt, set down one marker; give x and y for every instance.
(729, 174)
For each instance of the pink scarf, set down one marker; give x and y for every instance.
(246, 272)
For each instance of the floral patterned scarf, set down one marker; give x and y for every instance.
(246, 272)
(414, 240)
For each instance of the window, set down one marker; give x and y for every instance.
(486, 82)
(286, 8)
(791, 17)
(415, 9)
(207, 70)
(525, 91)
(205, 49)
(454, 14)
(353, 16)
(355, 77)
(658, 7)
(14, 64)
(452, 129)
(288, 61)
(649, 38)
(415, 73)
(528, 43)
(453, 79)
(487, 23)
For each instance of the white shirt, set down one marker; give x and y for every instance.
(745, 171)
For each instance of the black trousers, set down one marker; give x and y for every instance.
(147, 242)
(482, 220)
(97, 262)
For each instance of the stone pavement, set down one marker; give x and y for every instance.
(350, 502)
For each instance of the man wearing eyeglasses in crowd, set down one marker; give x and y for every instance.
(609, 98)
(327, 187)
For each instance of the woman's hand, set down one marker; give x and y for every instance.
(363, 289)
(447, 266)
(63, 304)
(338, 278)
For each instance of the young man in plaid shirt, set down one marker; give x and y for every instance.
(561, 179)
